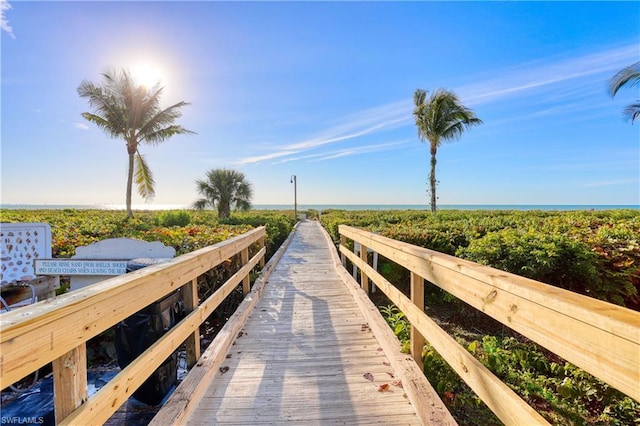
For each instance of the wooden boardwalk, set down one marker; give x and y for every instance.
(306, 354)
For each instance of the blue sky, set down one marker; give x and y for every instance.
(323, 91)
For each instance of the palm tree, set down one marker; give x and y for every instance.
(628, 76)
(226, 188)
(127, 110)
(440, 118)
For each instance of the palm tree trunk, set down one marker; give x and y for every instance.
(432, 179)
(130, 184)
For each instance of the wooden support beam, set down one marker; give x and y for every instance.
(82, 314)
(70, 381)
(189, 393)
(107, 400)
(246, 281)
(364, 280)
(343, 243)
(503, 401)
(417, 298)
(261, 244)
(190, 298)
(582, 330)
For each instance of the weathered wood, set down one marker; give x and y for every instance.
(296, 343)
(580, 329)
(192, 344)
(505, 403)
(246, 282)
(429, 407)
(70, 381)
(35, 335)
(187, 396)
(364, 280)
(261, 244)
(417, 298)
(343, 242)
(107, 400)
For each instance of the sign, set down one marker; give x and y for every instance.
(80, 267)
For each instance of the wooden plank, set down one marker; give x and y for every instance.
(70, 381)
(364, 280)
(107, 400)
(192, 344)
(505, 403)
(580, 329)
(35, 335)
(417, 298)
(430, 408)
(246, 282)
(272, 366)
(189, 393)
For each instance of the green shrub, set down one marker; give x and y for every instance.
(550, 258)
(174, 218)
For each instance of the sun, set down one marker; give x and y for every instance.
(146, 74)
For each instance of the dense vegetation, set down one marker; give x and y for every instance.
(592, 252)
(183, 230)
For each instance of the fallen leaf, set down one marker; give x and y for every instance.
(379, 349)
(224, 369)
(383, 387)
(388, 364)
(391, 375)
(397, 383)
(368, 376)
(228, 356)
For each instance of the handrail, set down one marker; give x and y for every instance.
(57, 330)
(599, 337)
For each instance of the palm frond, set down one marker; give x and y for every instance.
(627, 76)
(632, 111)
(144, 178)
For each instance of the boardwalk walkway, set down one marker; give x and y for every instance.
(306, 354)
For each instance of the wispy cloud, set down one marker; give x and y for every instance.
(548, 78)
(541, 75)
(4, 23)
(80, 126)
(357, 150)
(373, 120)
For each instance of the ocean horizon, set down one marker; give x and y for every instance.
(322, 207)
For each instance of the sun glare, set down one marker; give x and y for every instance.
(147, 75)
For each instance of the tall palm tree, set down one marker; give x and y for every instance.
(440, 118)
(628, 76)
(131, 111)
(225, 188)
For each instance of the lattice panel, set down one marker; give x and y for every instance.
(20, 244)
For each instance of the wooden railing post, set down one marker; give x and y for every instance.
(246, 281)
(417, 298)
(343, 242)
(364, 280)
(191, 301)
(70, 381)
(261, 244)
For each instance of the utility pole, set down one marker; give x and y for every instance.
(295, 197)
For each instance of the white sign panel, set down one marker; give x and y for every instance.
(80, 267)
(20, 245)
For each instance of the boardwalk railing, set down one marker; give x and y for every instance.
(599, 337)
(56, 331)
